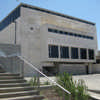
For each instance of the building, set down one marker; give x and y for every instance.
(96, 66)
(51, 41)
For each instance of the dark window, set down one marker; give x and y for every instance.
(79, 35)
(83, 53)
(64, 52)
(87, 37)
(75, 35)
(66, 33)
(74, 53)
(91, 38)
(91, 54)
(55, 31)
(53, 51)
(61, 32)
(50, 30)
(98, 61)
(69, 33)
(84, 36)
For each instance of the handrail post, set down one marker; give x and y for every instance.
(22, 68)
(64, 95)
(69, 96)
(38, 81)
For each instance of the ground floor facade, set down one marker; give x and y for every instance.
(56, 68)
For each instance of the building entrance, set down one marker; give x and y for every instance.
(50, 71)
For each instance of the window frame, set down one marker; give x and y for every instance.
(73, 56)
(83, 54)
(50, 53)
(91, 57)
(70, 33)
(61, 53)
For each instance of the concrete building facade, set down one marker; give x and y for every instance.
(51, 41)
(96, 66)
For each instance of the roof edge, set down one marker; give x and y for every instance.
(49, 11)
(57, 13)
(11, 12)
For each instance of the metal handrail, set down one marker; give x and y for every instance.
(52, 81)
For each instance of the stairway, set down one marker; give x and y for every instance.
(94, 94)
(14, 87)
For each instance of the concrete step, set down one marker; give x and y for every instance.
(12, 81)
(95, 91)
(33, 97)
(94, 96)
(14, 85)
(15, 89)
(8, 74)
(2, 71)
(18, 94)
(1, 68)
(10, 77)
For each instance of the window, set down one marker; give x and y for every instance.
(61, 32)
(69, 33)
(91, 54)
(75, 35)
(50, 30)
(79, 35)
(53, 51)
(74, 53)
(66, 33)
(83, 53)
(98, 61)
(55, 31)
(64, 52)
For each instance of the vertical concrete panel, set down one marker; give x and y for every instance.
(7, 35)
(8, 58)
(72, 68)
(90, 66)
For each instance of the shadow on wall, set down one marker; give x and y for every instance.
(8, 58)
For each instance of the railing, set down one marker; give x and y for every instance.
(50, 80)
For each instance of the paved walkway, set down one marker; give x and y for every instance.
(92, 80)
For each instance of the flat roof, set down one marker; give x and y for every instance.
(49, 12)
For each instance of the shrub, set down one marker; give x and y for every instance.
(78, 88)
(33, 81)
(46, 83)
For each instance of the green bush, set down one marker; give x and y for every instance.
(46, 83)
(33, 81)
(78, 88)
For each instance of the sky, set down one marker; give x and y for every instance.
(84, 9)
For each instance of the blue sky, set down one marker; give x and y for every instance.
(84, 9)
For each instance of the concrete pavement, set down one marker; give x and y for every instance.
(92, 81)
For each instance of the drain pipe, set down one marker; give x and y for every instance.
(15, 31)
